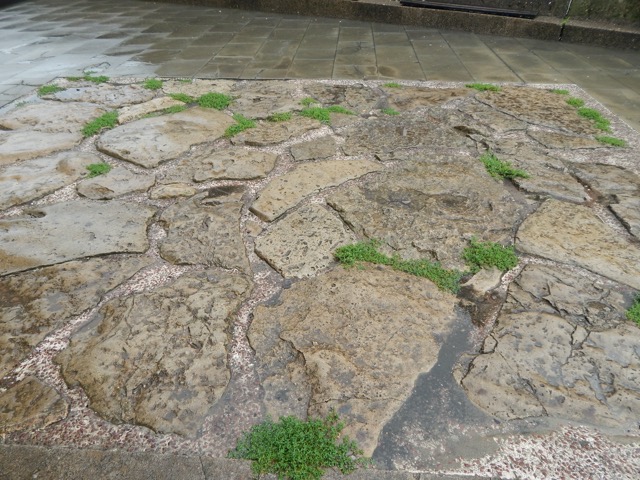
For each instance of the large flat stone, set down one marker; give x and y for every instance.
(573, 234)
(115, 183)
(133, 112)
(352, 340)
(111, 96)
(36, 178)
(302, 243)
(315, 149)
(286, 191)
(151, 141)
(36, 303)
(409, 98)
(18, 145)
(260, 99)
(607, 180)
(357, 98)
(66, 231)
(51, 117)
(158, 359)
(272, 133)
(627, 209)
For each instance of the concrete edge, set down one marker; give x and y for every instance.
(391, 12)
(22, 462)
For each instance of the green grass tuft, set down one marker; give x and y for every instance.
(489, 254)
(575, 102)
(152, 84)
(339, 109)
(323, 114)
(96, 169)
(613, 141)
(106, 121)
(390, 111)
(174, 109)
(182, 97)
(298, 450)
(559, 91)
(89, 78)
(350, 255)
(483, 87)
(279, 117)
(392, 85)
(499, 169)
(241, 125)
(593, 114)
(308, 101)
(633, 313)
(48, 90)
(219, 101)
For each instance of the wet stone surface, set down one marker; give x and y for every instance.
(180, 298)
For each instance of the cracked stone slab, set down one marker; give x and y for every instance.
(115, 183)
(210, 163)
(262, 99)
(69, 230)
(197, 86)
(559, 140)
(302, 243)
(52, 117)
(316, 149)
(30, 404)
(627, 209)
(315, 349)
(286, 191)
(270, 133)
(430, 210)
(486, 119)
(409, 98)
(133, 112)
(18, 145)
(172, 190)
(111, 96)
(608, 180)
(357, 98)
(36, 178)
(150, 141)
(574, 235)
(205, 229)
(159, 359)
(34, 304)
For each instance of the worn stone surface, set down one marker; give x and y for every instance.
(110, 96)
(52, 117)
(608, 180)
(209, 163)
(574, 235)
(538, 107)
(286, 191)
(172, 190)
(115, 183)
(561, 348)
(430, 210)
(302, 243)
(316, 149)
(486, 119)
(262, 99)
(270, 133)
(30, 404)
(151, 141)
(65, 231)
(409, 98)
(551, 139)
(355, 344)
(357, 98)
(25, 144)
(34, 304)
(205, 229)
(158, 359)
(384, 135)
(126, 114)
(197, 86)
(35, 178)
(627, 209)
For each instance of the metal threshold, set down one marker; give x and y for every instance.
(468, 8)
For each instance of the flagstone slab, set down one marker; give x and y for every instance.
(69, 230)
(111, 96)
(286, 191)
(262, 99)
(627, 209)
(18, 145)
(561, 140)
(357, 98)
(34, 304)
(36, 178)
(133, 112)
(197, 86)
(316, 149)
(172, 190)
(51, 117)
(409, 98)
(151, 141)
(573, 234)
(273, 133)
(159, 358)
(115, 183)
(607, 180)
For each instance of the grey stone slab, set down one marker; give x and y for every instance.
(26, 144)
(115, 183)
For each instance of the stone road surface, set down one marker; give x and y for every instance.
(171, 303)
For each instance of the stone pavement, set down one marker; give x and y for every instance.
(44, 39)
(165, 306)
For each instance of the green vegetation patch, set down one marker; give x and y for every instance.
(633, 313)
(182, 97)
(480, 255)
(392, 85)
(48, 90)
(96, 169)
(350, 255)
(174, 109)
(559, 91)
(323, 114)
(298, 450)
(593, 114)
(105, 121)
(241, 125)
(219, 101)
(613, 141)
(390, 111)
(279, 117)
(575, 102)
(152, 84)
(483, 87)
(308, 101)
(89, 78)
(499, 169)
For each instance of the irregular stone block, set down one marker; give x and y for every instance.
(302, 244)
(562, 141)
(348, 341)
(608, 180)
(269, 133)
(138, 142)
(65, 231)
(197, 86)
(628, 211)
(315, 149)
(158, 359)
(172, 190)
(410, 98)
(260, 99)
(284, 192)
(25, 144)
(357, 98)
(52, 117)
(126, 114)
(111, 96)
(115, 183)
